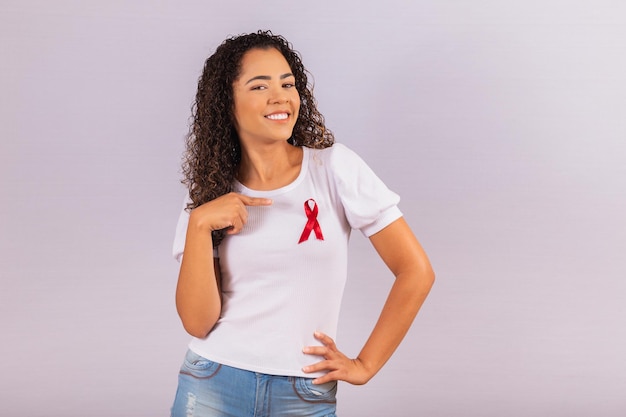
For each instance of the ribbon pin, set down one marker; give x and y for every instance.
(312, 223)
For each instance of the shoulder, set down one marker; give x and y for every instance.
(343, 167)
(336, 157)
(335, 149)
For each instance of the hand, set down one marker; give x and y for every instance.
(227, 211)
(338, 365)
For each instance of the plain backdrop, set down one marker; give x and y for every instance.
(502, 124)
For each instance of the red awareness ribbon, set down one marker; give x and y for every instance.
(312, 223)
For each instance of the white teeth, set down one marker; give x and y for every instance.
(278, 116)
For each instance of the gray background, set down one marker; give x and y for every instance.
(501, 123)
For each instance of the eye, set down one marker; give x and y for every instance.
(288, 85)
(258, 87)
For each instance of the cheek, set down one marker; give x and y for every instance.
(241, 112)
(296, 103)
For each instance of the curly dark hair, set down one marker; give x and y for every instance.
(213, 150)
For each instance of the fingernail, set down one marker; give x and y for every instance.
(306, 350)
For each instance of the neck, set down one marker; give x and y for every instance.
(269, 167)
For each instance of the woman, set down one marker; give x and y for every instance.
(263, 239)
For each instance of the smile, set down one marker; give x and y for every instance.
(277, 116)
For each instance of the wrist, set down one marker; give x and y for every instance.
(199, 223)
(369, 370)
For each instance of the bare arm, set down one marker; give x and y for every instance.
(197, 293)
(198, 300)
(414, 277)
(406, 259)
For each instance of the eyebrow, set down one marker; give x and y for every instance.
(267, 77)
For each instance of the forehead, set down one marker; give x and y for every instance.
(263, 62)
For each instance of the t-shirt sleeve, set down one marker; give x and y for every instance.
(368, 204)
(181, 232)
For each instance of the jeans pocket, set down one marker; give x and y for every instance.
(308, 391)
(198, 366)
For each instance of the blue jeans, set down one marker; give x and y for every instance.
(209, 389)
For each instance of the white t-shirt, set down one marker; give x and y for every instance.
(277, 291)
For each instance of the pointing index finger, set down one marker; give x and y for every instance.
(256, 201)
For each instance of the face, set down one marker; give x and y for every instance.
(266, 101)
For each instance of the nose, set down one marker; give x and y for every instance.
(278, 96)
(279, 99)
